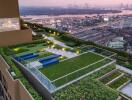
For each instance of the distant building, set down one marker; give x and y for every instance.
(127, 22)
(52, 24)
(116, 43)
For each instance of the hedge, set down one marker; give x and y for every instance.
(86, 89)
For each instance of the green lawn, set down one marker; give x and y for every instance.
(63, 68)
(32, 49)
(80, 73)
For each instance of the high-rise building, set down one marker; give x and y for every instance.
(11, 31)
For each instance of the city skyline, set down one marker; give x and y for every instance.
(61, 3)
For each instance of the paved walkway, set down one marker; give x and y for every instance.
(127, 89)
(56, 41)
(124, 69)
(67, 54)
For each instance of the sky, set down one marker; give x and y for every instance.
(46, 3)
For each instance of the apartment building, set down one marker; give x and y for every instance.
(11, 31)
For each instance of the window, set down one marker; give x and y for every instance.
(9, 24)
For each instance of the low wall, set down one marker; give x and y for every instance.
(15, 88)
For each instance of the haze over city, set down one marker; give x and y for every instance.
(65, 3)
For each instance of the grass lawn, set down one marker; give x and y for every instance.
(33, 49)
(80, 73)
(68, 66)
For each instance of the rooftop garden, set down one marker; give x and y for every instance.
(70, 65)
(8, 52)
(66, 37)
(89, 88)
(36, 47)
(86, 89)
(73, 68)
